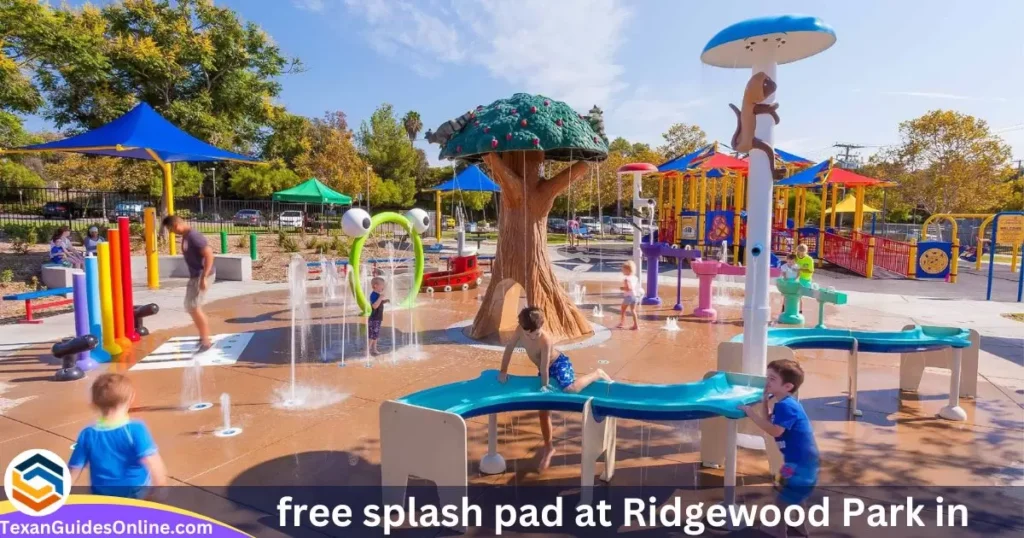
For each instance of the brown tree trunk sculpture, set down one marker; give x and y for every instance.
(522, 257)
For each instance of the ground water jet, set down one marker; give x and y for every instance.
(226, 430)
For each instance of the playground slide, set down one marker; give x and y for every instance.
(919, 338)
(720, 394)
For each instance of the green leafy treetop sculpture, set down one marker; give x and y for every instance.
(514, 137)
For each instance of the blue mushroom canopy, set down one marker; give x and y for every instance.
(787, 38)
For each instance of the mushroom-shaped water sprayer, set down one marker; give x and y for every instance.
(761, 45)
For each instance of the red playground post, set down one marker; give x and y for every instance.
(124, 226)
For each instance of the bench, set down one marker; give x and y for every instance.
(30, 295)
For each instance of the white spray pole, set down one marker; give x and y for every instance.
(756, 311)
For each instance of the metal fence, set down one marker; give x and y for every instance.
(80, 209)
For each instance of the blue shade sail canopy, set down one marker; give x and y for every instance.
(815, 175)
(472, 179)
(140, 134)
(791, 158)
(783, 38)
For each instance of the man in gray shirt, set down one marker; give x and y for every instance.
(198, 256)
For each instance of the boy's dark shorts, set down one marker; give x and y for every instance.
(373, 326)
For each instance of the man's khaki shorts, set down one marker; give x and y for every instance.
(194, 297)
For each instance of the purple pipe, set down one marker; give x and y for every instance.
(81, 303)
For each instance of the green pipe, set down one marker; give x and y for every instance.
(252, 247)
(223, 242)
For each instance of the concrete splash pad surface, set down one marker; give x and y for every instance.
(898, 440)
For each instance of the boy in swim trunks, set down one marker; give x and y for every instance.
(553, 368)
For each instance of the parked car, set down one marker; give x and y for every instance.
(590, 223)
(63, 210)
(618, 226)
(290, 219)
(132, 210)
(249, 217)
(557, 225)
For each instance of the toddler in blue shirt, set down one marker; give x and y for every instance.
(789, 425)
(120, 453)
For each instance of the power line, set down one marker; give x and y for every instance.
(848, 160)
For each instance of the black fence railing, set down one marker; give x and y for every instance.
(80, 209)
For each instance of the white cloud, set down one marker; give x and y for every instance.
(563, 49)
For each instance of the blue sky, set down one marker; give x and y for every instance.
(639, 61)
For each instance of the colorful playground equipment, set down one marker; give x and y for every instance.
(109, 306)
(358, 223)
(856, 251)
(706, 271)
(701, 197)
(914, 339)
(793, 290)
(436, 418)
(654, 252)
(1007, 227)
(1010, 234)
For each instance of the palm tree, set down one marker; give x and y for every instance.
(412, 124)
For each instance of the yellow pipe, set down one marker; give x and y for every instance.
(981, 240)
(661, 195)
(1013, 258)
(172, 242)
(152, 258)
(437, 225)
(117, 291)
(701, 211)
(871, 257)
(913, 258)
(858, 216)
(835, 194)
(821, 220)
(106, 300)
(677, 190)
(955, 255)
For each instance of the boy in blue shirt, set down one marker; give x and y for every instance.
(122, 458)
(789, 425)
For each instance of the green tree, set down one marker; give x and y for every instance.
(948, 162)
(287, 138)
(681, 139)
(332, 158)
(384, 143)
(413, 124)
(262, 180)
(620, 145)
(196, 63)
(188, 180)
(76, 171)
(15, 175)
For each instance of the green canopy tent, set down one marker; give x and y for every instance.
(311, 191)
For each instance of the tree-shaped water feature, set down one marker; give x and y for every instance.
(514, 137)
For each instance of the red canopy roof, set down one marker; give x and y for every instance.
(637, 167)
(721, 161)
(845, 177)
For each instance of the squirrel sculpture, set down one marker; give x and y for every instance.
(759, 87)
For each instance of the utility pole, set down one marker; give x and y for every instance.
(846, 160)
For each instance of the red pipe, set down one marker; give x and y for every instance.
(126, 279)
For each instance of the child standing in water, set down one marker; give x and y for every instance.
(377, 302)
(552, 365)
(123, 460)
(630, 292)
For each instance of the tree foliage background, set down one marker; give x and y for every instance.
(218, 77)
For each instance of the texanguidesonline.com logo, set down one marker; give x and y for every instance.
(37, 482)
